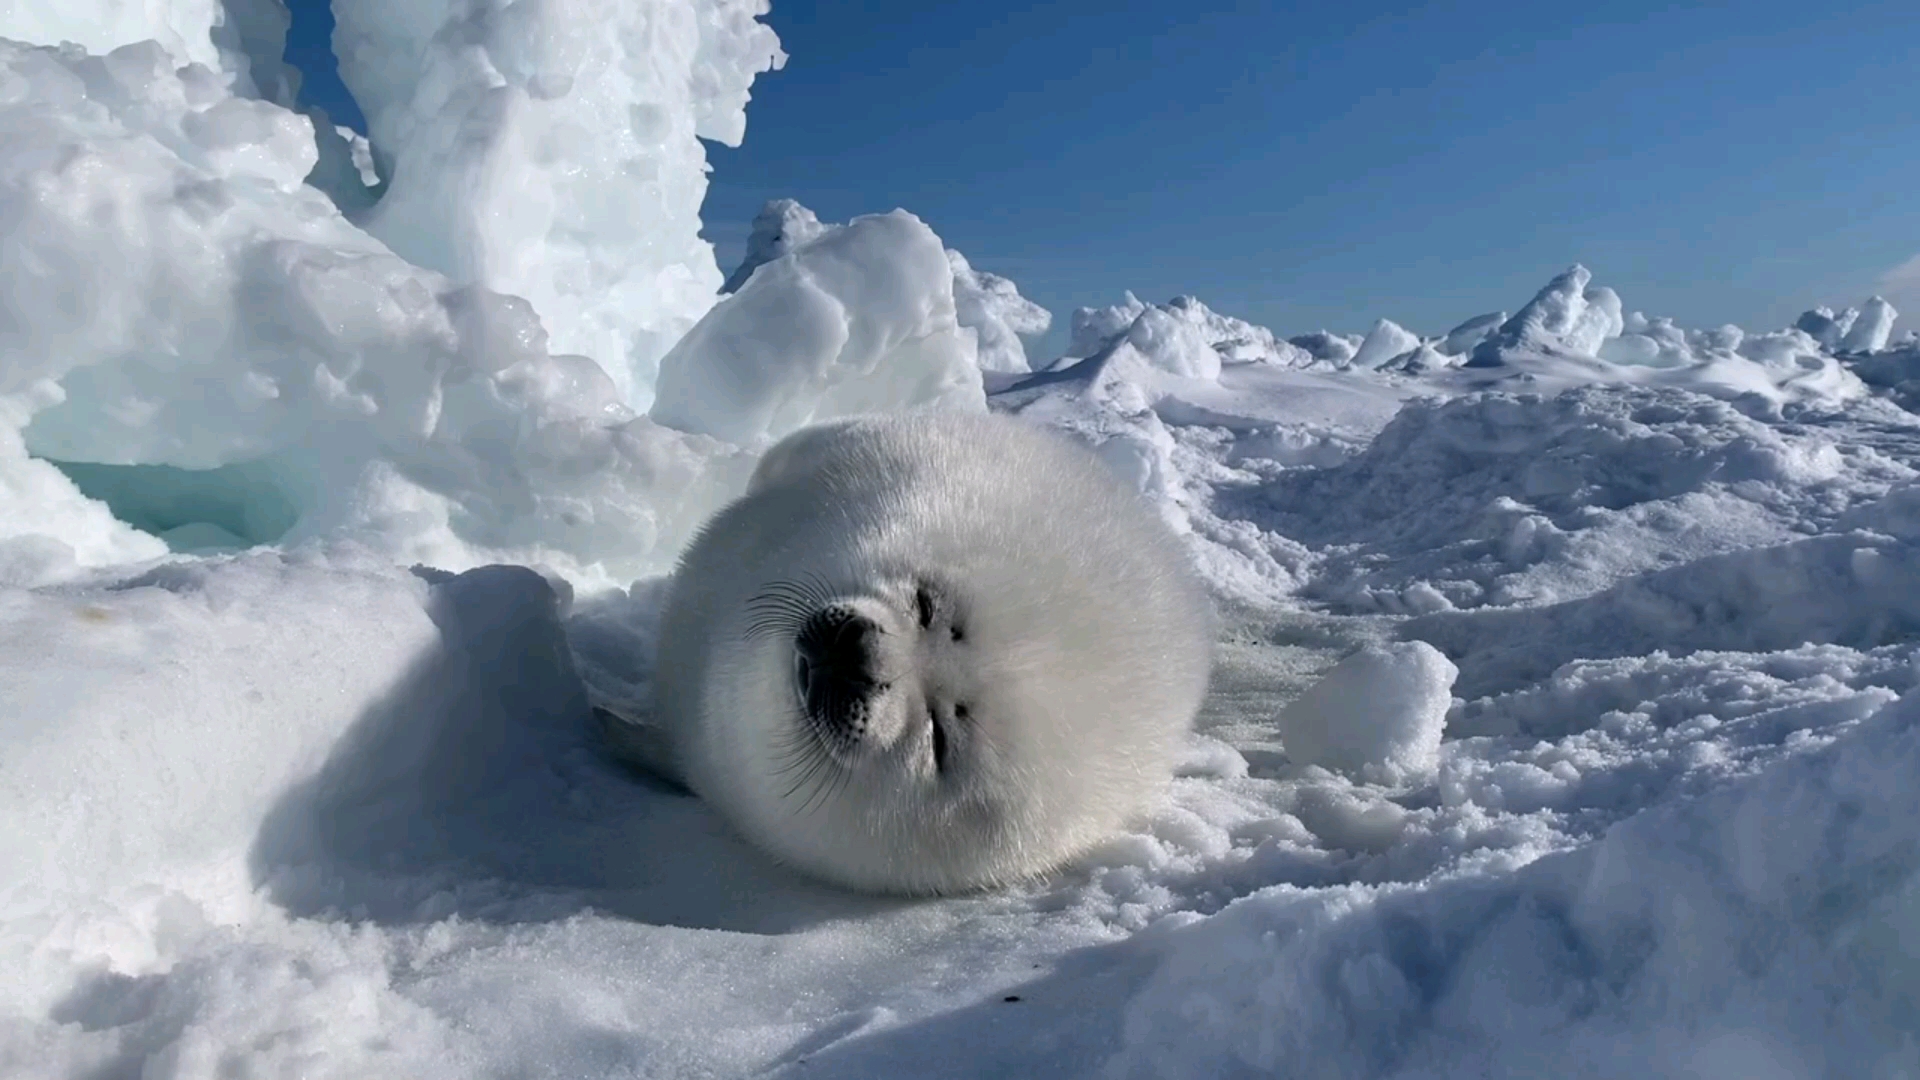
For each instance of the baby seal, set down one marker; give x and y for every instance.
(930, 653)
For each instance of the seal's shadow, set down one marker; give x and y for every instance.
(478, 788)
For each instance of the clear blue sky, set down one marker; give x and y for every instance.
(1326, 164)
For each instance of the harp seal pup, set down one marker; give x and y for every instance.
(927, 654)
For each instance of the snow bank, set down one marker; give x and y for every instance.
(551, 151)
(1377, 716)
(860, 319)
(1507, 499)
(1739, 933)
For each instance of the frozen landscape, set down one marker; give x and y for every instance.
(1567, 715)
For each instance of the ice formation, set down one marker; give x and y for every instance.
(1386, 341)
(551, 151)
(988, 304)
(999, 316)
(1182, 337)
(1550, 689)
(859, 319)
(1569, 317)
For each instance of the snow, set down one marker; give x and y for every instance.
(1383, 343)
(1568, 317)
(860, 319)
(551, 151)
(1564, 722)
(1377, 715)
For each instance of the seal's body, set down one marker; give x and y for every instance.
(929, 653)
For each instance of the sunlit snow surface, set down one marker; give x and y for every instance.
(1561, 723)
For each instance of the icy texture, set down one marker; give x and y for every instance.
(429, 420)
(1182, 337)
(1825, 326)
(998, 315)
(1377, 716)
(184, 28)
(1589, 959)
(1461, 340)
(550, 150)
(860, 319)
(1873, 328)
(988, 304)
(1383, 343)
(1334, 349)
(1500, 499)
(779, 227)
(1568, 318)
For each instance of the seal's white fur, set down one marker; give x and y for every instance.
(1081, 658)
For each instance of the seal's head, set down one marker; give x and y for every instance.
(939, 653)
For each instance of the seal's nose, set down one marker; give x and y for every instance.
(836, 662)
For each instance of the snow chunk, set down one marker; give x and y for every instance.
(1378, 715)
(551, 151)
(1566, 318)
(861, 319)
(1383, 343)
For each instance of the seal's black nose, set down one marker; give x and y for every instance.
(835, 664)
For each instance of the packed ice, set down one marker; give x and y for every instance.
(1564, 721)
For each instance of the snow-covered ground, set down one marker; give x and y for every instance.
(1567, 715)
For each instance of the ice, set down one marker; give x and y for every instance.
(1377, 716)
(859, 319)
(988, 304)
(551, 151)
(1825, 326)
(1872, 329)
(779, 227)
(1329, 348)
(1564, 717)
(1569, 317)
(1461, 340)
(1383, 343)
(1182, 337)
(999, 316)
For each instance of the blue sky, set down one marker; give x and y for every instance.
(1326, 164)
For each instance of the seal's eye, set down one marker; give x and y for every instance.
(955, 631)
(939, 742)
(959, 711)
(923, 606)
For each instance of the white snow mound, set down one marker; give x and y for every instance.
(1377, 716)
(859, 319)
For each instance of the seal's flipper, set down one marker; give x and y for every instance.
(639, 744)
